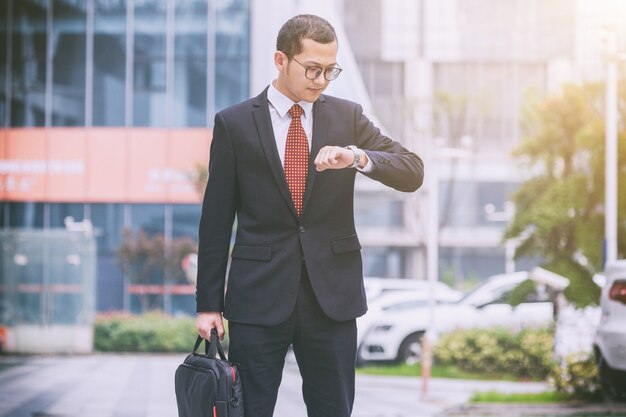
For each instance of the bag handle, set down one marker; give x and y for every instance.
(212, 347)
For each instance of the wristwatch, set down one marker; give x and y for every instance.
(357, 156)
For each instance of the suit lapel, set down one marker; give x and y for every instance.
(265, 131)
(320, 129)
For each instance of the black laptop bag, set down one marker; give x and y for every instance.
(208, 386)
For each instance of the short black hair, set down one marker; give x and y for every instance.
(304, 26)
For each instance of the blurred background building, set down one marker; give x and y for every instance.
(106, 110)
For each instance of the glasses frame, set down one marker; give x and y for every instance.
(318, 70)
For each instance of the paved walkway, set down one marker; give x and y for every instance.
(136, 385)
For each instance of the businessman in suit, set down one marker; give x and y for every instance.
(284, 165)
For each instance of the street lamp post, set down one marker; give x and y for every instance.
(610, 213)
(435, 157)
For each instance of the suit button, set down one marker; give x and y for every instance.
(301, 229)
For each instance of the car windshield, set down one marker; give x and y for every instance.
(498, 289)
(408, 305)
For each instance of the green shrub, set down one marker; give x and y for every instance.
(150, 332)
(526, 354)
(577, 375)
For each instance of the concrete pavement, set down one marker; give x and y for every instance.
(137, 385)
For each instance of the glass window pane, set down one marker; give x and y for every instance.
(28, 64)
(190, 66)
(108, 221)
(461, 267)
(3, 61)
(232, 50)
(149, 217)
(109, 63)
(69, 55)
(378, 210)
(4, 215)
(144, 264)
(384, 262)
(458, 203)
(186, 218)
(149, 68)
(26, 215)
(60, 211)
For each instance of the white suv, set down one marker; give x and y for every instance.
(610, 340)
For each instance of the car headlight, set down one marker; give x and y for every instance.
(383, 328)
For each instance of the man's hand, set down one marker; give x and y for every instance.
(205, 321)
(336, 157)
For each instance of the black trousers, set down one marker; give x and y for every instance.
(325, 351)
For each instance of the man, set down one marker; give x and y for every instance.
(295, 275)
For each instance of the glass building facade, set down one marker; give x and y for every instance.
(116, 75)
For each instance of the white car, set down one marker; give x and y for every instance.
(389, 294)
(375, 287)
(610, 340)
(396, 334)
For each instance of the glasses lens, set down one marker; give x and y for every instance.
(332, 73)
(313, 72)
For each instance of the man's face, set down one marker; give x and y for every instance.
(291, 75)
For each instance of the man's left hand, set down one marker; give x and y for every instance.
(336, 157)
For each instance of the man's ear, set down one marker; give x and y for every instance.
(280, 60)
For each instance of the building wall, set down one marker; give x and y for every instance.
(106, 109)
(455, 74)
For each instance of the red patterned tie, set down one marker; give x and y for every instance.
(296, 157)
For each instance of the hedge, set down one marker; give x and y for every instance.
(495, 351)
(150, 332)
(578, 376)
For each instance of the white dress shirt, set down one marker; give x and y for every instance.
(279, 111)
(279, 106)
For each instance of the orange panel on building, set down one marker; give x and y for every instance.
(65, 175)
(107, 167)
(101, 164)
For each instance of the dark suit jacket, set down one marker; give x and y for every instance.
(246, 181)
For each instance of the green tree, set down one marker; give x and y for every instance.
(560, 208)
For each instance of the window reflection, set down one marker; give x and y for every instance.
(384, 262)
(60, 211)
(186, 218)
(26, 215)
(190, 99)
(149, 105)
(109, 63)
(28, 71)
(3, 62)
(190, 66)
(378, 210)
(68, 63)
(108, 220)
(232, 50)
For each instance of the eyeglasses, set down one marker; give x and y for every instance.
(313, 72)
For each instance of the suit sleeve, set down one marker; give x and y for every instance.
(216, 222)
(393, 165)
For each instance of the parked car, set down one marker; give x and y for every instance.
(388, 294)
(375, 287)
(610, 339)
(395, 335)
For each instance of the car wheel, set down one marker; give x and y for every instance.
(612, 380)
(410, 351)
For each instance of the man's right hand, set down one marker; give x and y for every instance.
(207, 320)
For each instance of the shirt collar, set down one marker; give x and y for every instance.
(282, 103)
